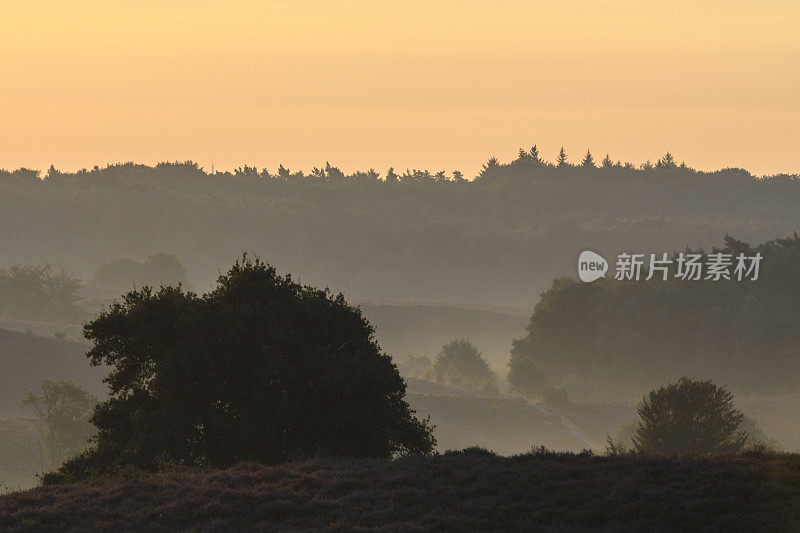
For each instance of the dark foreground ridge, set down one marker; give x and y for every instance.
(470, 490)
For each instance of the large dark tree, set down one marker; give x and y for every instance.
(689, 417)
(261, 369)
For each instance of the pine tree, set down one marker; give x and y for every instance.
(52, 172)
(668, 161)
(588, 160)
(562, 157)
(607, 161)
(535, 155)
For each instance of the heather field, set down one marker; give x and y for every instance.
(470, 490)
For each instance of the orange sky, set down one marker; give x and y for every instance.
(436, 84)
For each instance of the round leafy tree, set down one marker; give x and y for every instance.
(259, 369)
(459, 363)
(689, 417)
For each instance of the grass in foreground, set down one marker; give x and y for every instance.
(468, 490)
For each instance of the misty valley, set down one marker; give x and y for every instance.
(172, 334)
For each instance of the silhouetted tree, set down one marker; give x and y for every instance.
(535, 155)
(689, 417)
(588, 160)
(607, 163)
(561, 160)
(52, 173)
(668, 161)
(260, 369)
(491, 167)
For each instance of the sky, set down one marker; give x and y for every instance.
(442, 85)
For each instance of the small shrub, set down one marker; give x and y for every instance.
(689, 417)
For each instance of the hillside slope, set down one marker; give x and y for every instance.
(461, 491)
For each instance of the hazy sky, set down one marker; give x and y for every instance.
(436, 84)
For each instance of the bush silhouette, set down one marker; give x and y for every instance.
(260, 369)
(689, 417)
(459, 363)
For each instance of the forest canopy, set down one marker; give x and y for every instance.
(406, 235)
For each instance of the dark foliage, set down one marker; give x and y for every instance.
(469, 491)
(260, 369)
(689, 417)
(617, 339)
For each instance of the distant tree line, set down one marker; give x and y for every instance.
(39, 292)
(158, 269)
(499, 238)
(613, 339)
(44, 293)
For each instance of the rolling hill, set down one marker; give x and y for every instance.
(470, 490)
